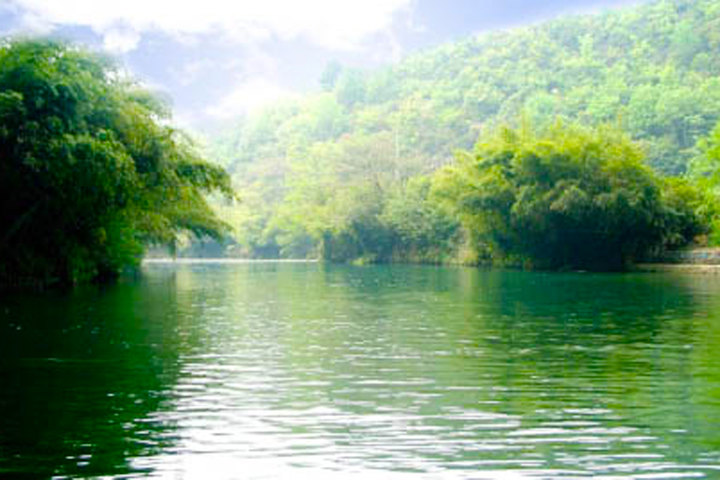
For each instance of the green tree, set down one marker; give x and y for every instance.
(329, 76)
(90, 172)
(705, 171)
(571, 197)
(350, 87)
(424, 230)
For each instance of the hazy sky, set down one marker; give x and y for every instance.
(217, 58)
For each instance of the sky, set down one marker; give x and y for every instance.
(216, 59)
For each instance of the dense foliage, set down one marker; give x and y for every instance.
(568, 198)
(89, 174)
(324, 175)
(705, 171)
(363, 169)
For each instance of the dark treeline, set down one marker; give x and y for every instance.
(569, 198)
(89, 175)
(364, 170)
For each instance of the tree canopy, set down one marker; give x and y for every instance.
(705, 171)
(90, 170)
(569, 197)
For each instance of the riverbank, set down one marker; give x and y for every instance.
(694, 256)
(692, 260)
(659, 267)
(677, 267)
(185, 261)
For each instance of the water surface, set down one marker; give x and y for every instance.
(278, 370)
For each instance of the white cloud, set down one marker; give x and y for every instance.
(185, 120)
(121, 40)
(248, 97)
(192, 71)
(329, 23)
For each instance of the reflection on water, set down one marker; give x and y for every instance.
(273, 370)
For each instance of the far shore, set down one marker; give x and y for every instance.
(225, 260)
(710, 269)
(678, 267)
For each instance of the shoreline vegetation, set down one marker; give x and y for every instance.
(360, 171)
(587, 143)
(90, 170)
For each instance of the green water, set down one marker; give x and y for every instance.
(311, 371)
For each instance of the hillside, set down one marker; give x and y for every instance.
(304, 166)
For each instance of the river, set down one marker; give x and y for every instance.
(270, 370)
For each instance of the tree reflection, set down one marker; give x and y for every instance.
(83, 374)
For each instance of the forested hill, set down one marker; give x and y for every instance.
(652, 69)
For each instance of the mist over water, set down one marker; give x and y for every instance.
(276, 370)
